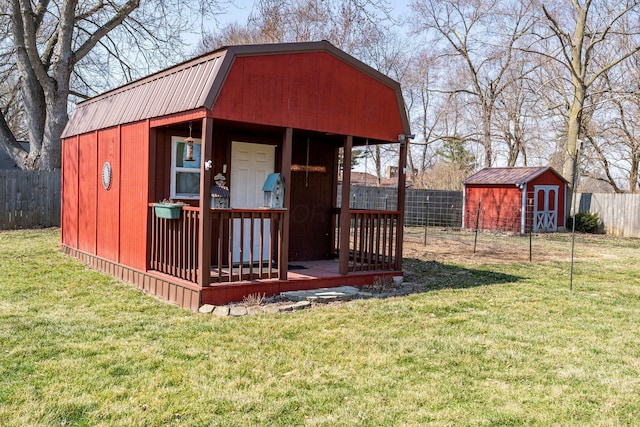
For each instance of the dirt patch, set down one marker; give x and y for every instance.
(486, 248)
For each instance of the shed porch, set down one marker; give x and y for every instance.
(244, 112)
(175, 256)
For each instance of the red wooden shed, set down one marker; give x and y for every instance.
(515, 199)
(243, 113)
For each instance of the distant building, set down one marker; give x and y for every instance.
(5, 160)
(515, 199)
(369, 180)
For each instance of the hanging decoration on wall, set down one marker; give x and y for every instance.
(306, 168)
(189, 145)
(106, 175)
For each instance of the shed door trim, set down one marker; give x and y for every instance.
(251, 163)
(545, 219)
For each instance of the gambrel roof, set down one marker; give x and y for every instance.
(508, 176)
(193, 85)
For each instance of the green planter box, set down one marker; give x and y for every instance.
(168, 210)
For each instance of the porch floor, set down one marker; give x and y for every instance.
(302, 275)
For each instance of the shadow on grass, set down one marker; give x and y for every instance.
(432, 275)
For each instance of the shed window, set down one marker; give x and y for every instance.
(185, 174)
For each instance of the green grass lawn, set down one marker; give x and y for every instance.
(484, 344)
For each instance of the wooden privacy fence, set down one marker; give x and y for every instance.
(29, 199)
(619, 213)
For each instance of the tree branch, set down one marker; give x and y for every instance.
(40, 10)
(116, 20)
(26, 31)
(611, 65)
(9, 144)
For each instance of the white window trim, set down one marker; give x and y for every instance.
(174, 169)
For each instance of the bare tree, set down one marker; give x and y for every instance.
(57, 50)
(230, 35)
(587, 39)
(352, 25)
(421, 111)
(510, 122)
(614, 132)
(481, 37)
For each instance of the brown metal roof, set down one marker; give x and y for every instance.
(497, 176)
(181, 88)
(191, 85)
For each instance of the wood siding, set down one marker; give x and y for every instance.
(69, 214)
(88, 192)
(134, 194)
(500, 207)
(312, 91)
(108, 222)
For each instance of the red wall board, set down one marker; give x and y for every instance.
(178, 118)
(134, 197)
(314, 91)
(500, 207)
(304, 89)
(69, 215)
(87, 191)
(108, 212)
(162, 172)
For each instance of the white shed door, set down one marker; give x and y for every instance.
(545, 213)
(250, 165)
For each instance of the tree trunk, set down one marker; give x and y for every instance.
(57, 117)
(378, 164)
(633, 174)
(486, 141)
(569, 167)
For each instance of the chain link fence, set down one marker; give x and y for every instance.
(439, 225)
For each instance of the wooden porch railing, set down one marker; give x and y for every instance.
(174, 244)
(371, 239)
(246, 244)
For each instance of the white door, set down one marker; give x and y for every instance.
(250, 165)
(546, 208)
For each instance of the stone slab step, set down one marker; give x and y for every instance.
(342, 293)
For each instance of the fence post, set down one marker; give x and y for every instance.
(426, 221)
(475, 239)
(530, 230)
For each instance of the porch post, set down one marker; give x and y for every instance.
(204, 228)
(283, 257)
(402, 180)
(345, 212)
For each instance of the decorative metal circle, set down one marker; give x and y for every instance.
(106, 175)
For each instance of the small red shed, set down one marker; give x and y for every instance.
(221, 125)
(517, 199)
